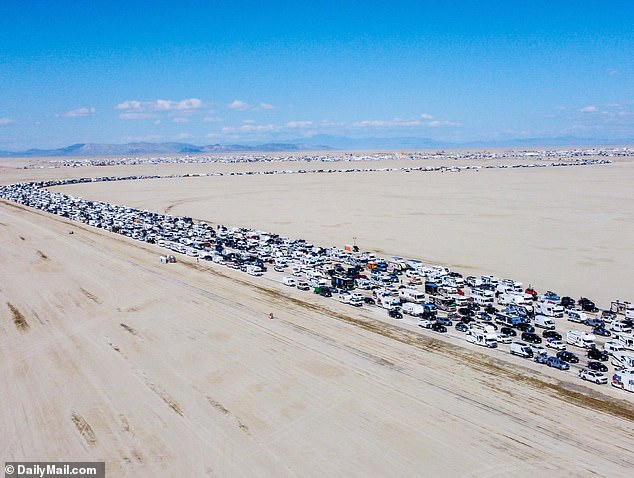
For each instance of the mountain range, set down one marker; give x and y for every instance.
(317, 143)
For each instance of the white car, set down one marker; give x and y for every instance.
(345, 298)
(355, 301)
(503, 338)
(556, 344)
(425, 323)
(620, 327)
(593, 376)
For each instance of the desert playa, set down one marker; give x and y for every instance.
(177, 370)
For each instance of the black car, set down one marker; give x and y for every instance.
(489, 309)
(567, 302)
(466, 311)
(508, 331)
(524, 327)
(596, 354)
(395, 314)
(436, 327)
(369, 300)
(567, 356)
(551, 334)
(598, 366)
(587, 305)
(531, 338)
(602, 331)
(461, 326)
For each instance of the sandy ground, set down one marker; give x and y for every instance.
(177, 371)
(563, 229)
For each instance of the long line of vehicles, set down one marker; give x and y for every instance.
(489, 311)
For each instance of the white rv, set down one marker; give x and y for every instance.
(482, 296)
(576, 315)
(482, 337)
(622, 360)
(411, 295)
(549, 309)
(580, 339)
(544, 322)
(624, 380)
(626, 340)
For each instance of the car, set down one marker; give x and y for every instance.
(436, 327)
(551, 334)
(466, 311)
(596, 354)
(369, 300)
(425, 323)
(447, 322)
(556, 362)
(503, 338)
(602, 331)
(357, 302)
(587, 305)
(461, 327)
(489, 309)
(597, 366)
(508, 331)
(567, 356)
(524, 327)
(541, 358)
(395, 313)
(303, 286)
(531, 338)
(488, 322)
(594, 322)
(567, 302)
(556, 344)
(593, 376)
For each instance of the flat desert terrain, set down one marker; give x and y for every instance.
(177, 370)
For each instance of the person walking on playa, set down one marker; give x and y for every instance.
(270, 315)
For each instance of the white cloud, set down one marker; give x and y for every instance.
(436, 123)
(262, 128)
(589, 109)
(426, 116)
(6, 121)
(266, 106)
(228, 129)
(80, 112)
(426, 121)
(135, 109)
(238, 105)
(299, 124)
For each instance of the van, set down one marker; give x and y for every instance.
(620, 327)
(544, 322)
(507, 319)
(623, 360)
(580, 339)
(521, 349)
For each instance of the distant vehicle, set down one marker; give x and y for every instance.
(544, 322)
(279, 268)
(623, 360)
(521, 349)
(508, 331)
(303, 285)
(289, 281)
(602, 331)
(576, 315)
(541, 358)
(447, 322)
(503, 338)
(369, 301)
(594, 322)
(580, 338)
(411, 295)
(524, 327)
(358, 302)
(531, 338)
(567, 356)
(624, 380)
(425, 323)
(551, 334)
(436, 327)
(549, 308)
(567, 302)
(593, 376)
(556, 362)
(482, 337)
(613, 347)
(620, 327)
(323, 291)
(596, 354)
(587, 305)
(597, 366)
(555, 344)
(395, 314)
(462, 327)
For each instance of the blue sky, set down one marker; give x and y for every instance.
(240, 71)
